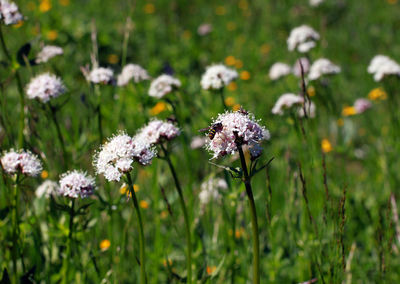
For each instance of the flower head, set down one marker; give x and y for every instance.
(132, 71)
(382, 66)
(163, 85)
(48, 52)
(322, 67)
(21, 161)
(47, 188)
(204, 29)
(217, 76)
(45, 87)
(9, 12)
(297, 69)
(361, 105)
(157, 131)
(302, 38)
(101, 75)
(315, 3)
(286, 101)
(279, 70)
(234, 128)
(76, 184)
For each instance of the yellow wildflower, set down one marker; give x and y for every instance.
(230, 60)
(149, 8)
(44, 174)
(52, 35)
(236, 107)
(326, 146)
(144, 204)
(232, 86)
(377, 94)
(348, 111)
(311, 91)
(18, 25)
(229, 101)
(245, 75)
(112, 59)
(44, 6)
(158, 108)
(211, 269)
(164, 214)
(104, 245)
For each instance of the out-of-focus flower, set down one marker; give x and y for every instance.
(158, 108)
(52, 35)
(310, 109)
(361, 105)
(132, 71)
(230, 60)
(101, 75)
(217, 76)
(9, 13)
(382, 66)
(322, 67)
(163, 85)
(302, 38)
(112, 59)
(48, 52)
(211, 269)
(286, 101)
(45, 87)
(377, 94)
(311, 91)
(76, 184)
(45, 6)
(21, 161)
(229, 101)
(326, 146)
(144, 204)
(198, 142)
(245, 75)
(209, 190)
(47, 188)
(204, 29)
(149, 8)
(297, 69)
(279, 70)
(348, 111)
(105, 244)
(44, 174)
(235, 127)
(157, 131)
(315, 3)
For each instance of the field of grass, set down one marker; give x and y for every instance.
(326, 200)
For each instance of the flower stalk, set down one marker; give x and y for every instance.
(69, 242)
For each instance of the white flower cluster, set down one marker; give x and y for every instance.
(76, 184)
(382, 66)
(117, 155)
(217, 76)
(48, 52)
(361, 105)
(279, 70)
(45, 87)
(9, 12)
(302, 38)
(132, 71)
(286, 101)
(47, 188)
(157, 131)
(235, 127)
(315, 3)
(322, 67)
(209, 190)
(163, 85)
(101, 75)
(297, 68)
(21, 161)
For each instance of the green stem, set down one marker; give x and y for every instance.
(221, 94)
(15, 224)
(69, 242)
(254, 224)
(99, 116)
(185, 215)
(143, 278)
(59, 134)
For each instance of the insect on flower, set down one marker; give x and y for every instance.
(212, 130)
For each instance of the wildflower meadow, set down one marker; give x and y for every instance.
(199, 141)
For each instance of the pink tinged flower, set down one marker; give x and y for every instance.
(163, 85)
(157, 131)
(297, 69)
(361, 105)
(21, 161)
(286, 101)
(101, 75)
(48, 52)
(217, 76)
(132, 72)
(302, 38)
(382, 66)
(279, 70)
(9, 13)
(45, 87)
(236, 127)
(322, 67)
(204, 29)
(76, 184)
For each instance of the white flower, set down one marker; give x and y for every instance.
(9, 12)
(361, 105)
(286, 101)
(235, 127)
(76, 184)
(209, 190)
(45, 87)
(310, 109)
(198, 142)
(163, 85)
(302, 38)
(21, 161)
(297, 69)
(321, 67)
(156, 131)
(279, 70)
(204, 29)
(217, 76)
(101, 75)
(315, 3)
(132, 71)
(47, 188)
(48, 52)
(382, 66)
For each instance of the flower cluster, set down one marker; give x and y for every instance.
(235, 127)
(47, 188)
(286, 101)
(101, 75)
(76, 184)
(217, 76)
(322, 67)
(302, 38)
(315, 3)
(21, 161)
(163, 85)
(156, 131)
(48, 52)
(361, 105)
(9, 13)
(209, 190)
(382, 66)
(305, 63)
(279, 70)
(132, 71)
(45, 87)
